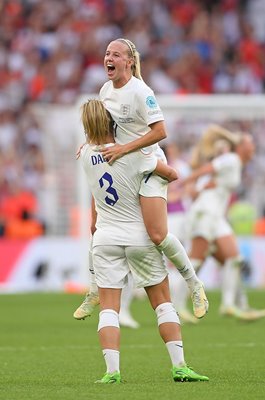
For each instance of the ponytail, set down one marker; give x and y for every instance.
(216, 133)
(215, 140)
(133, 53)
(97, 122)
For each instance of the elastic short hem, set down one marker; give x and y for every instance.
(154, 195)
(152, 283)
(111, 287)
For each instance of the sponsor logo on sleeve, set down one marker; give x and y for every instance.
(154, 112)
(151, 102)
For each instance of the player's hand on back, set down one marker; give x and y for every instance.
(113, 153)
(78, 153)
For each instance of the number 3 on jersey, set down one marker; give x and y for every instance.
(106, 179)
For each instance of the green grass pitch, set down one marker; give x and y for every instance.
(46, 354)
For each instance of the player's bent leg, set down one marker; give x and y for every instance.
(87, 307)
(179, 294)
(154, 211)
(92, 298)
(186, 317)
(199, 300)
(243, 315)
(199, 249)
(185, 267)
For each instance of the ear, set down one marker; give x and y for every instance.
(129, 62)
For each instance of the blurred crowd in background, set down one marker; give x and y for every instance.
(52, 51)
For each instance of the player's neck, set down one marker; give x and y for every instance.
(121, 82)
(109, 139)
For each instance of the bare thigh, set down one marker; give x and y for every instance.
(158, 294)
(154, 211)
(199, 248)
(226, 247)
(109, 299)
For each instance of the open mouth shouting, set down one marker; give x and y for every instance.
(110, 69)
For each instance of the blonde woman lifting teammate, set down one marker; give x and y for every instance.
(121, 245)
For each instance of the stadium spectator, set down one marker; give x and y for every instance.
(50, 55)
(52, 51)
(22, 169)
(259, 228)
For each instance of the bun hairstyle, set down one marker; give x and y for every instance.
(97, 121)
(214, 141)
(133, 53)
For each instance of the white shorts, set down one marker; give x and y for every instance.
(112, 264)
(154, 186)
(210, 227)
(176, 224)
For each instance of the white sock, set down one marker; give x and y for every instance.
(241, 297)
(179, 292)
(175, 252)
(230, 282)
(127, 295)
(112, 360)
(196, 263)
(93, 285)
(176, 353)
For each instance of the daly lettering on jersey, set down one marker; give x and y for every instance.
(97, 159)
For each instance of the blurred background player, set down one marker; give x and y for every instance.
(208, 229)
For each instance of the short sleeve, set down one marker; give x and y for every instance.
(148, 107)
(225, 161)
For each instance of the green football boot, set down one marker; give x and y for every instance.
(115, 377)
(186, 374)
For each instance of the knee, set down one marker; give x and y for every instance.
(156, 236)
(108, 318)
(166, 313)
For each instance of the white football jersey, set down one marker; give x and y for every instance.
(227, 176)
(133, 107)
(115, 189)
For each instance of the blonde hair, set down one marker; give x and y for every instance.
(221, 146)
(134, 54)
(97, 121)
(214, 140)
